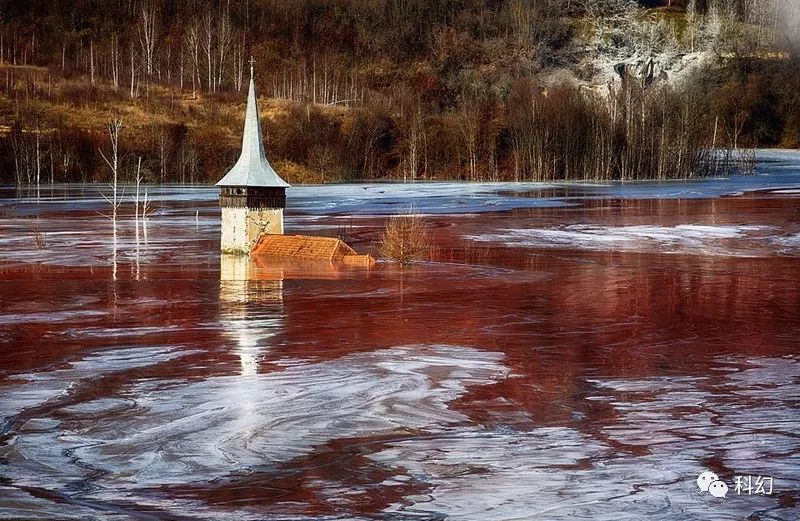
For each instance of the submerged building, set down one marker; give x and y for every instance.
(252, 198)
(252, 194)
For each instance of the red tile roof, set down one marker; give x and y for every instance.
(309, 247)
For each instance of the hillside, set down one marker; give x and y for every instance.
(357, 89)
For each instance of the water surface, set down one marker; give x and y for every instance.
(571, 352)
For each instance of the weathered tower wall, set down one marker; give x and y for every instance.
(242, 227)
(247, 214)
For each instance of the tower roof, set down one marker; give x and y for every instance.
(252, 168)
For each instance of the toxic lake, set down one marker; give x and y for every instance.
(572, 351)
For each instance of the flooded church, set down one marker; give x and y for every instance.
(252, 194)
(253, 199)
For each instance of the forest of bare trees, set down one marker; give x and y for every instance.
(354, 89)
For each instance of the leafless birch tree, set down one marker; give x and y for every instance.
(147, 33)
(114, 128)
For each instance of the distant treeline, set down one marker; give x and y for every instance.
(362, 89)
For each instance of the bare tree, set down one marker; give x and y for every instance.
(24, 154)
(208, 46)
(147, 35)
(405, 239)
(192, 164)
(115, 61)
(191, 41)
(691, 24)
(26, 143)
(413, 137)
(322, 160)
(114, 128)
(38, 156)
(141, 204)
(136, 197)
(133, 70)
(469, 124)
(239, 51)
(163, 147)
(224, 40)
(91, 61)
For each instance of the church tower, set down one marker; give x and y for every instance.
(252, 195)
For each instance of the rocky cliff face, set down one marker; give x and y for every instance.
(625, 42)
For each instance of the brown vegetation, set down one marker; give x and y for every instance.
(405, 239)
(457, 89)
(39, 237)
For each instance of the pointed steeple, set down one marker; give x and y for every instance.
(252, 168)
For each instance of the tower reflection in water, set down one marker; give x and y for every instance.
(251, 308)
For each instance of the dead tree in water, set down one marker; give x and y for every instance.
(114, 128)
(405, 239)
(136, 197)
(39, 236)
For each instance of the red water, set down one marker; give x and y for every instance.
(590, 368)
